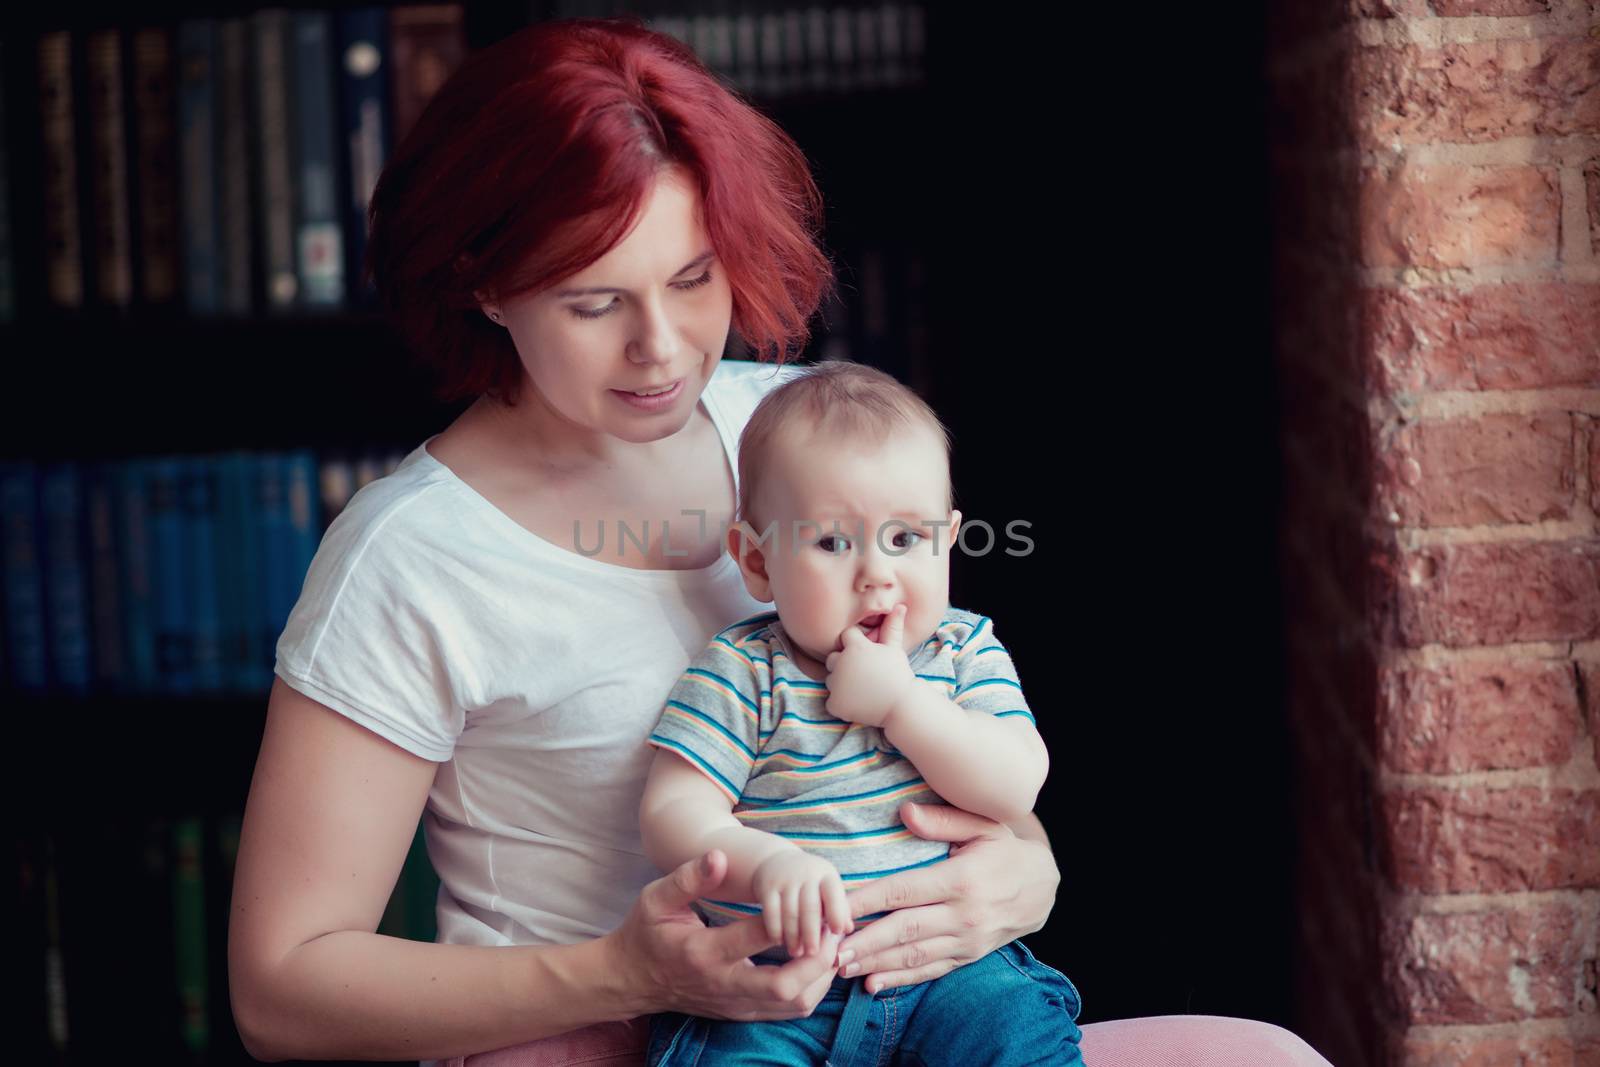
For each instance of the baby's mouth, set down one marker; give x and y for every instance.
(872, 625)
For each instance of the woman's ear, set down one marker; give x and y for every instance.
(747, 549)
(489, 306)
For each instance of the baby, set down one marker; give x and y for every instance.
(791, 742)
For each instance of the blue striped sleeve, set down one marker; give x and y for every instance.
(986, 679)
(712, 715)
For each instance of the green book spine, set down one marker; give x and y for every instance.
(189, 932)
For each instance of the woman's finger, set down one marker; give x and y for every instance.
(772, 914)
(909, 958)
(909, 889)
(876, 983)
(941, 822)
(810, 916)
(791, 920)
(837, 905)
(904, 927)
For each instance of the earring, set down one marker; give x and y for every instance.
(495, 315)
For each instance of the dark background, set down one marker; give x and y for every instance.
(1088, 191)
(1099, 208)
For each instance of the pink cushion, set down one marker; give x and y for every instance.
(1194, 1041)
(1158, 1041)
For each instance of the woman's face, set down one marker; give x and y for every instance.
(653, 311)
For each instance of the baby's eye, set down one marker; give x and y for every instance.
(911, 537)
(834, 545)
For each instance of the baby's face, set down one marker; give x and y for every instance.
(865, 542)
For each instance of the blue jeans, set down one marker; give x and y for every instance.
(1004, 1010)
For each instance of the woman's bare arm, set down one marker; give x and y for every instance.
(332, 811)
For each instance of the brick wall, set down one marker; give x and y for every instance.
(1437, 262)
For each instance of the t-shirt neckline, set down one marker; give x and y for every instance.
(592, 564)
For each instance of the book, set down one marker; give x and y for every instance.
(274, 149)
(155, 164)
(197, 132)
(174, 633)
(199, 502)
(8, 275)
(63, 227)
(428, 43)
(235, 165)
(66, 583)
(22, 577)
(105, 598)
(136, 587)
(189, 934)
(363, 54)
(318, 219)
(111, 238)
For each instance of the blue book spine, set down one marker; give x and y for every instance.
(105, 596)
(305, 518)
(231, 490)
(197, 133)
(23, 577)
(319, 243)
(136, 571)
(199, 501)
(174, 632)
(66, 578)
(273, 526)
(363, 68)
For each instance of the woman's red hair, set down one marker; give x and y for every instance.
(534, 160)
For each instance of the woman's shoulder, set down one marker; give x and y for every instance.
(410, 504)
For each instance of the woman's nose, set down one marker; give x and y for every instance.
(658, 340)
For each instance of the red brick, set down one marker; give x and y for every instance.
(1459, 216)
(1477, 840)
(1588, 681)
(1462, 8)
(1499, 1050)
(1524, 335)
(1591, 179)
(1491, 966)
(1477, 91)
(1486, 470)
(1494, 594)
(1477, 716)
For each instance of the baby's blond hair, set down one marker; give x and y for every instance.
(842, 400)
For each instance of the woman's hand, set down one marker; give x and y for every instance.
(677, 963)
(993, 888)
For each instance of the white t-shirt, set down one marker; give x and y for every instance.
(533, 675)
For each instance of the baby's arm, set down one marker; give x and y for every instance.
(987, 765)
(684, 815)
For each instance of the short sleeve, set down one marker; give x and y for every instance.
(986, 679)
(367, 635)
(712, 716)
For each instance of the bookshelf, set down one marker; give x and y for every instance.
(128, 781)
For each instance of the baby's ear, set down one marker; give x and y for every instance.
(744, 547)
(955, 524)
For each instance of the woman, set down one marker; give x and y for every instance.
(575, 222)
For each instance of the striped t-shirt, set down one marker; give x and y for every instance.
(757, 726)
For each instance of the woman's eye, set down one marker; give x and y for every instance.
(601, 312)
(594, 313)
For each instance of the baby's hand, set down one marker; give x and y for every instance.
(868, 679)
(797, 892)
